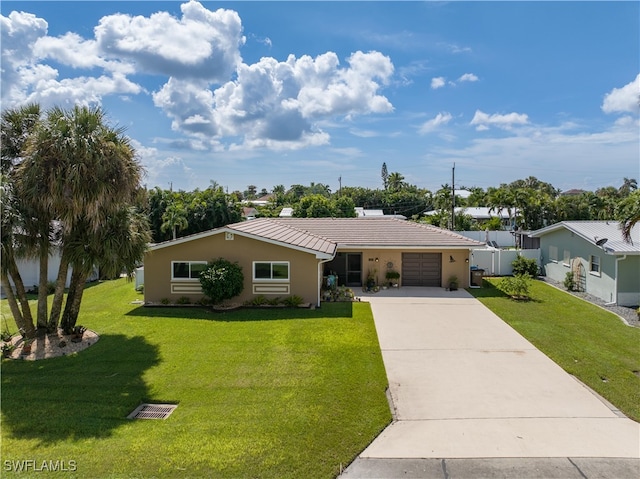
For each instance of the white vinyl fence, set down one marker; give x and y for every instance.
(504, 239)
(497, 262)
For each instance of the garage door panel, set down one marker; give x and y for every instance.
(422, 269)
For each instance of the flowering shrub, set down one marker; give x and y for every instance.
(222, 280)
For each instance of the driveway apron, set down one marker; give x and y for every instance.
(464, 384)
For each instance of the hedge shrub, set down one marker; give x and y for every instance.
(222, 280)
(522, 265)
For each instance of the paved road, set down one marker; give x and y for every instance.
(472, 398)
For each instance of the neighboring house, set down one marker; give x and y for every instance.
(293, 256)
(481, 214)
(262, 201)
(29, 269)
(362, 212)
(599, 260)
(249, 212)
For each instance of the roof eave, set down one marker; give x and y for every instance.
(226, 229)
(407, 247)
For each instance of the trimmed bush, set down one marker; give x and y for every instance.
(293, 301)
(222, 280)
(522, 265)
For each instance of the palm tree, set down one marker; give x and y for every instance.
(174, 218)
(25, 228)
(395, 181)
(628, 213)
(628, 185)
(117, 247)
(9, 231)
(500, 199)
(83, 172)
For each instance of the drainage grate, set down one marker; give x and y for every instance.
(152, 411)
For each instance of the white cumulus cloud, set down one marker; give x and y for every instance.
(437, 82)
(625, 99)
(484, 121)
(212, 97)
(470, 77)
(271, 101)
(201, 44)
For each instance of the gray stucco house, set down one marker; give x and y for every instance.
(594, 252)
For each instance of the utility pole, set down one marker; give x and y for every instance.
(340, 188)
(453, 197)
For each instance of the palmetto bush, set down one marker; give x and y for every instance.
(222, 280)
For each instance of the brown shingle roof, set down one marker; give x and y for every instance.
(324, 235)
(274, 230)
(379, 232)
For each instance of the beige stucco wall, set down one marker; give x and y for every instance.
(460, 267)
(303, 268)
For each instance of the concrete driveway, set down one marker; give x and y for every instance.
(464, 384)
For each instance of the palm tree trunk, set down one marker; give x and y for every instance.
(13, 303)
(58, 296)
(74, 298)
(21, 293)
(42, 286)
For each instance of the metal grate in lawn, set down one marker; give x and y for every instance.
(152, 411)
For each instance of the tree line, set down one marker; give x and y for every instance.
(529, 203)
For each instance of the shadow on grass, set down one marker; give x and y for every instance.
(488, 290)
(86, 395)
(327, 310)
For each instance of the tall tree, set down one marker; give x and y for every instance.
(174, 218)
(117, 247)
(385, 176)
(24, 227)
(250, 192)
(628, 186)
(84, 172)
(10, 231)
(628, 213)
(396, 181)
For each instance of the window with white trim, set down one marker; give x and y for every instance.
(566, 258)
(594, 265)
(271, 270)
(553, 253)
(187, 270)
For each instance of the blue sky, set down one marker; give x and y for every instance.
(269, 93)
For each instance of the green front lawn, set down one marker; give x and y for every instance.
(260, 393)
(585, 340)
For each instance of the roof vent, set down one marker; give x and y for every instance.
(152, 411)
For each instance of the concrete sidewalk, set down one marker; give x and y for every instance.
(466, 386)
